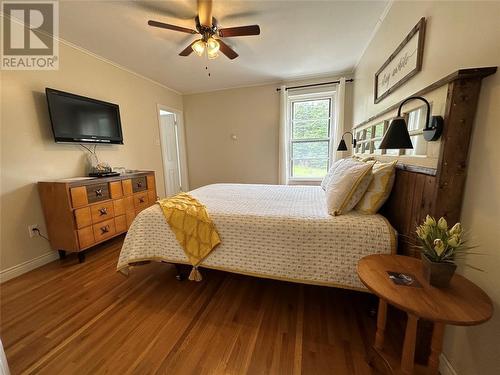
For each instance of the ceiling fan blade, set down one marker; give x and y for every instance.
(239, 31)
(187, 51)
(171, 27)
(226, 50)
(205, 12)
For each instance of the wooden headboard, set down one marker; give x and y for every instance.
(419, 191)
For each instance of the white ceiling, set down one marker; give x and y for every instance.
(298, 39)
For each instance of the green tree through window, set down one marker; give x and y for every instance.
(310, 137)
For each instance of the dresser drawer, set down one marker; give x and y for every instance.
(85, 237)
(104, 230)
(151, 182)
(97, 193)
(139, 184)
(130, 214)
(83, 218)
(141, 200)
(79, 196)
(129, 203)
(152, 197)
(121, 223)
(127, 187)
(116, 189)
(119, 207)
(102, 211)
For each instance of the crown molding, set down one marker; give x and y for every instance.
(116, 65)
(374, 32)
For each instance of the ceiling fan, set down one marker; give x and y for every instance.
(210, 32)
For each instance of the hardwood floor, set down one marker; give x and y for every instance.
(70, 318)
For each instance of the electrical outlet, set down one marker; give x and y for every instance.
(31, 230)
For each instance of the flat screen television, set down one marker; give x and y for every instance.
(79, 119)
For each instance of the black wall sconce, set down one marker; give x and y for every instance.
(397, 136)
(343, 146)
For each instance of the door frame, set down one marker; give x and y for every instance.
(182, 145)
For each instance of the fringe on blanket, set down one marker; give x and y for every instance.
(195, 274)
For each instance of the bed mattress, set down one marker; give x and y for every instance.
(273, 231)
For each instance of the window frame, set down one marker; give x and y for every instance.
(304, 97)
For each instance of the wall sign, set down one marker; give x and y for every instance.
(404, 63)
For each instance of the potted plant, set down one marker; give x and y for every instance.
(440, 248)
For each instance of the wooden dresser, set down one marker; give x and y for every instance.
(82, 212)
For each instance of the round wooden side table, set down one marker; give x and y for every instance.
(462, 303)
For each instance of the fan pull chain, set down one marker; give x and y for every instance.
(206, 66)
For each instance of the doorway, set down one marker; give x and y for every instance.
(173, 150)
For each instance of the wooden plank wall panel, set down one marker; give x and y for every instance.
(460, 111)
(410, 201)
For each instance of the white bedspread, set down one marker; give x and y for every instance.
(274, 231)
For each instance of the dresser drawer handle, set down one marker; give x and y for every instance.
(103, 211)
(141, 199)
(105, 229)
(98, 193)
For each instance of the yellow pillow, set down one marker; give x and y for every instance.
(379, 189)
(347, 185)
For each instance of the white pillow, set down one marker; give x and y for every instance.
(347, 185)
(329, 174)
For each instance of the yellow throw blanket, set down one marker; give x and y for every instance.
(193, 228)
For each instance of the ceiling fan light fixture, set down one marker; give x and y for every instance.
(199, 47)
(212, 55)
(212, 46)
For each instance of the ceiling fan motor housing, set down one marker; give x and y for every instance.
(206, 31)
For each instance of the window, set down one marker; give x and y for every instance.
(369, 138)
(310, 135)
(416, 124)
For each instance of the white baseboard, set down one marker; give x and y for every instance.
(27, 266)
(445, 367)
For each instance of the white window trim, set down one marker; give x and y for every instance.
(326, 94)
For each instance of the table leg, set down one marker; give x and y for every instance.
(381, 319)
(407, 359)
(436, 348)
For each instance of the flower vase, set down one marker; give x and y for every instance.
(438, 274)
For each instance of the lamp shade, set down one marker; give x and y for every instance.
(397, 135)
(342, 146)
(212, 46)
(199, 47)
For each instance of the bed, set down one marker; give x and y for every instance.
(271, 231)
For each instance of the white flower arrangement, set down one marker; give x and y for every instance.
(440, 244)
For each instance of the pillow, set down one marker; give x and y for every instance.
(347, 185)
(379, 189)
(329, 174)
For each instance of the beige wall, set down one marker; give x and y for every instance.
(29, 154)
(459, 35)
(211, 118)
(250, 113)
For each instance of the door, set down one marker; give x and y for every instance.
(170, 149)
